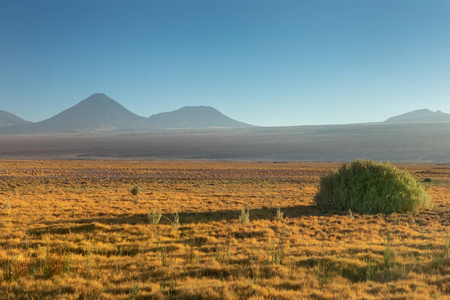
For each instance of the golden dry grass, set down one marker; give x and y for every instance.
(73, 230)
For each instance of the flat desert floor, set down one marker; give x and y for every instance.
(73, 230)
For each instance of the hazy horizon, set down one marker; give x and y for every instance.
(198, 106)
(266, 63)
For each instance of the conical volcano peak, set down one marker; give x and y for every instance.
(98, 98)
(97, 112)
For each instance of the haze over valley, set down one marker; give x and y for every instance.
(100, 127)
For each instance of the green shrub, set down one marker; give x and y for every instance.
(367, 187)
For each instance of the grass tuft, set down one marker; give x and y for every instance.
(154, 217)
(245, 216)
(280, 214)
(176, 221)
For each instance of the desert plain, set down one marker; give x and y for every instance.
(73, 229)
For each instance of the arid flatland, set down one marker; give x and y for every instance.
(73, 230)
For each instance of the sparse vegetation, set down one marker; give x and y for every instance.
(154, 217)
(280, 214)
(74, 232)
(368, 187)
(245, 216)
(176, 221)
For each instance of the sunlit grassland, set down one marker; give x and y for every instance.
(73, 229)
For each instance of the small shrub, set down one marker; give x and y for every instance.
(135, 190)
(427, 179)
(367, 187)
(154, 216)
(15, 267)
(55, 264)
(442, 258)
(387, 250)
(280, 214)
(176, 221)
(245, 216)
(68, 263)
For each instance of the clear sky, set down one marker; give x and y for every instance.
(262, 62)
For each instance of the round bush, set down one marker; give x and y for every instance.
(368, 187)
(135, 190)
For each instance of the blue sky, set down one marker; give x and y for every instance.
(271, 63)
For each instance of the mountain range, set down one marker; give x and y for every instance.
(420, 116)
(99, 113)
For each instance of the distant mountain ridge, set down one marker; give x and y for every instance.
(7, 119)
(420, 116)
(99, 113)
(194, 117)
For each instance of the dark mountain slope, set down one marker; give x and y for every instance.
(7, 118)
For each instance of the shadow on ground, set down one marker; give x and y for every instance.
(265, 213)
